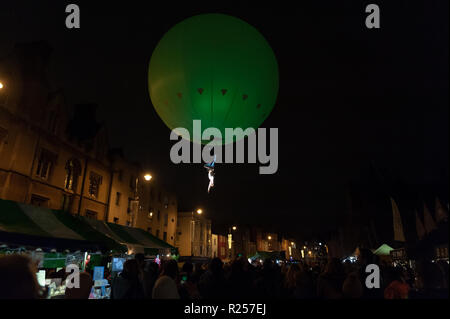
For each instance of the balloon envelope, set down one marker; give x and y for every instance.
(214, 68)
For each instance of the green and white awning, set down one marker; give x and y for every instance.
(48, 221)
(31, 226)
(383, 250)
(42, 227)
(136, 239)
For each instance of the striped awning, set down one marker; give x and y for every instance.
(32, 226)
(136, 239)
(42, 227)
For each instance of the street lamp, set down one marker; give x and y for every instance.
(1, 85)
(269, 237)
(147, 177)
(199, 211)
(230, 239)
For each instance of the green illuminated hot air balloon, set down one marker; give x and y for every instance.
(214, 68)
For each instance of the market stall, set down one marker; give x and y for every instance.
(384, 253)
(53, 240)
(135, 239)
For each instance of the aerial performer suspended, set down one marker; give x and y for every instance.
(225, 75)
(210, 168)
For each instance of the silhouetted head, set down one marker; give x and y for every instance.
(365, 256)
(292, 276)
(268, 263)
(237, 266)
(170, 268)
(187, 268)
(216, 266)
(198, 268)
(333, 267)
(430, 275)
(18, 278)
(153, 267)
(352, 287)
(130, 269)
(83, 291)
(140, 259)
(395, 273)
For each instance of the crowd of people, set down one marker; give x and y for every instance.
(240, 280)
(331, 280)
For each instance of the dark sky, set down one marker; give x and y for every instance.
(348, 97)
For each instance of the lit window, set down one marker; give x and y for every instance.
(45, 162)
(73, 170)
(3, 136)
(91, 214)
(95, 181)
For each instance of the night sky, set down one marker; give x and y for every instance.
(349, 97)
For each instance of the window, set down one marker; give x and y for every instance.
(116, 220)
(118, 198)
(166, 219)
(3, 136)
(159, 215)
(95, 181)
(129, 205)
(91, 214)
(45, 162)
(171, 237)
(173, 220)
(165, 236)
(157, 233)
(73, 171)
(52, 122)
(37, 200)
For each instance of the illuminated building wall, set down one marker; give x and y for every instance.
(42, 161)
(52, 158)
(193, 235)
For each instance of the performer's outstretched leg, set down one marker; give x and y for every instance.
(211, 179)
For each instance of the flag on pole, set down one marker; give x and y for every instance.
(397, 222)
(441, 214)
(428, 221)
(419, 227)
